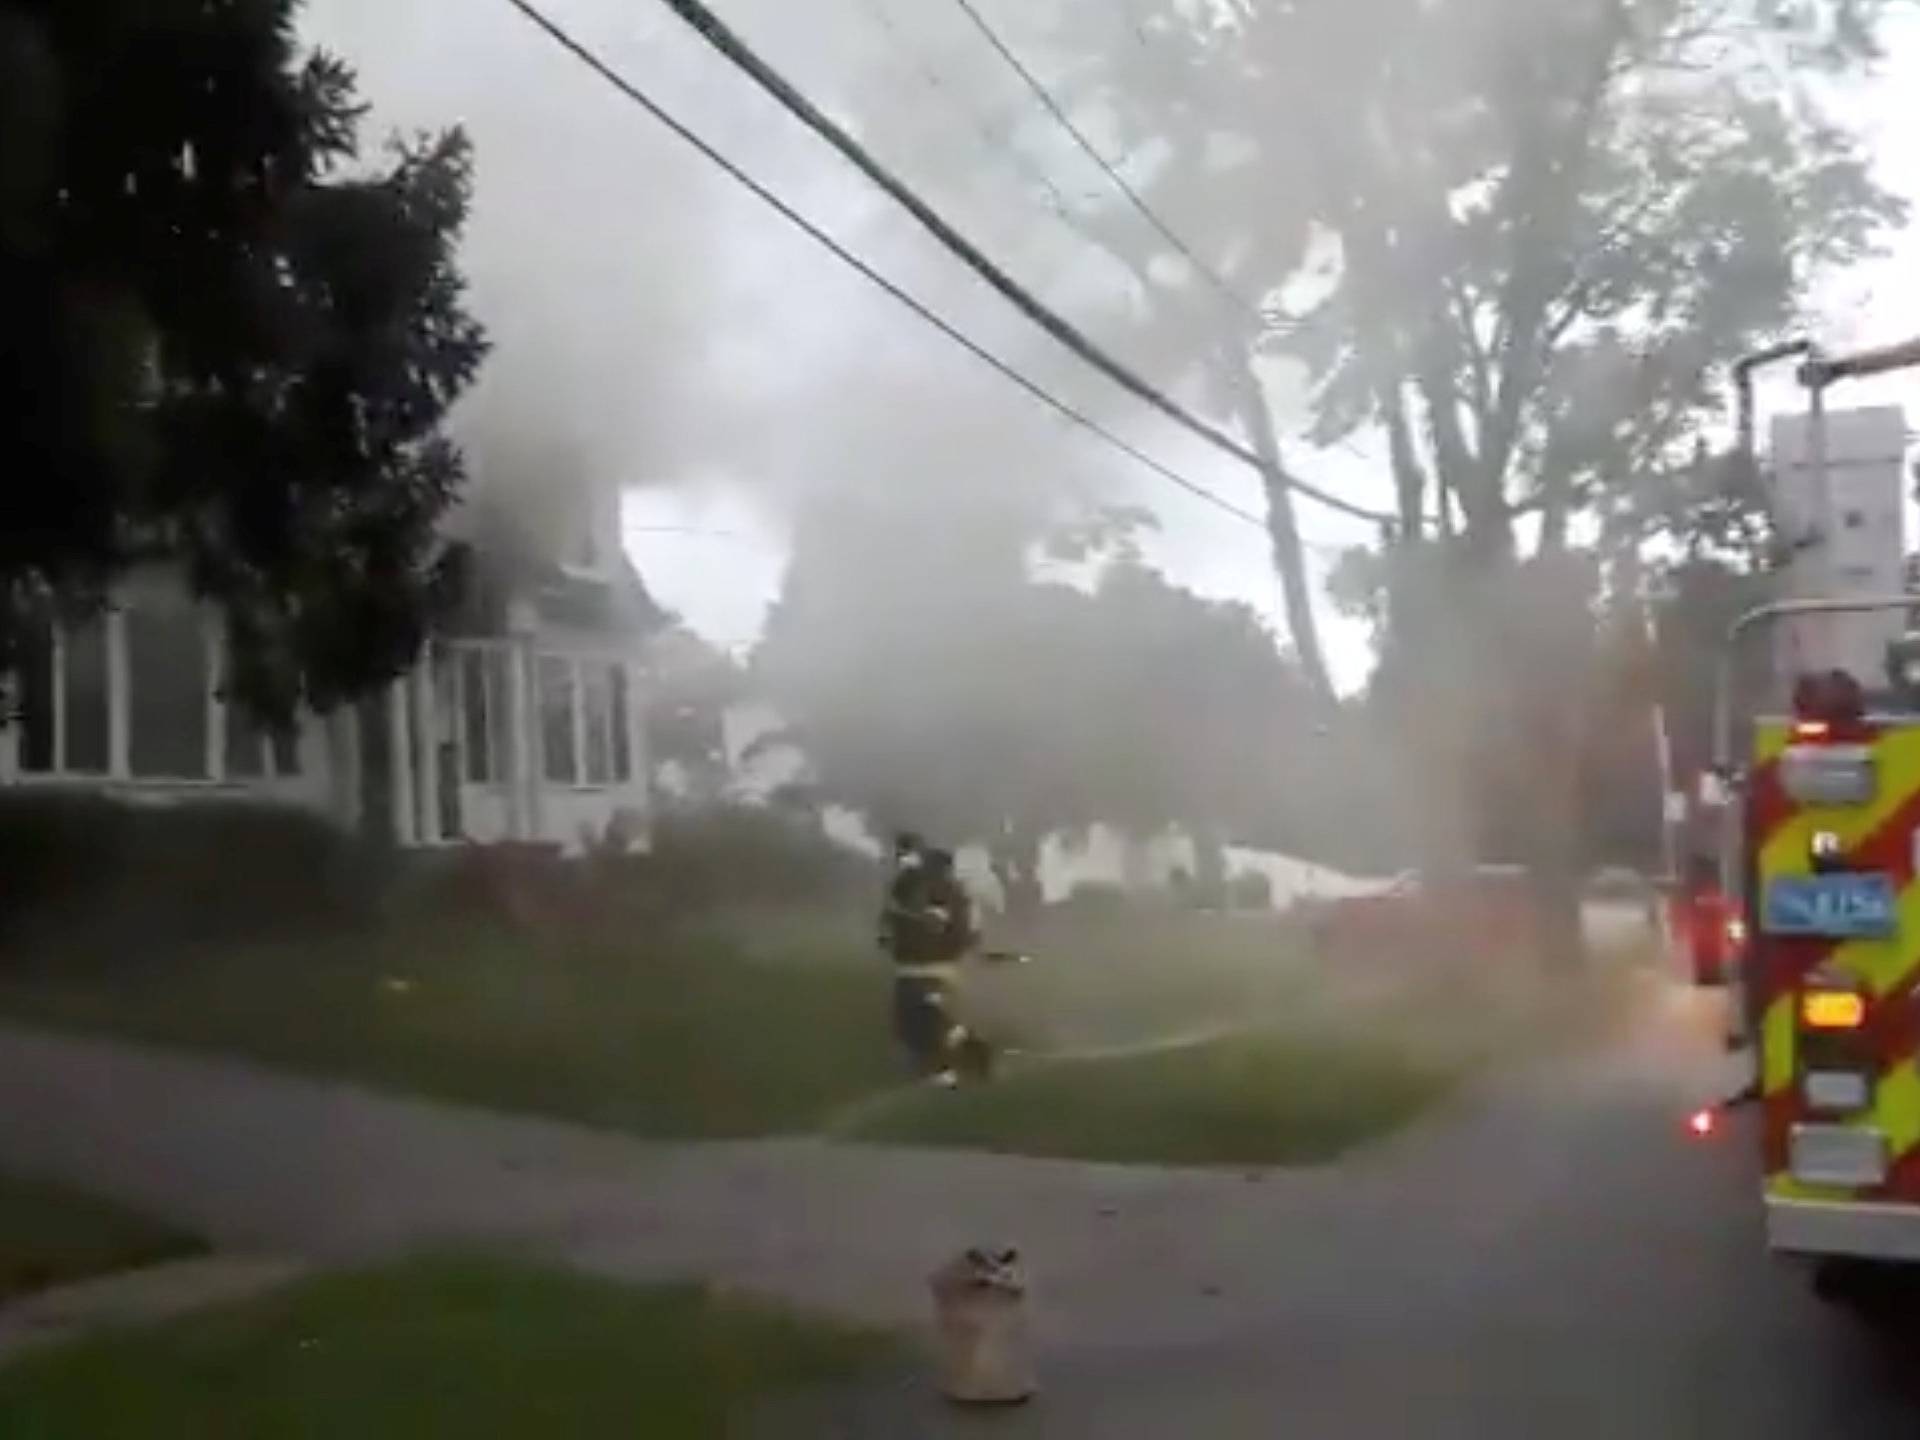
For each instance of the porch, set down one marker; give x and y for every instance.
(533, 738)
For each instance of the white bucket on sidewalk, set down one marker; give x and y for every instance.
(980, 1316)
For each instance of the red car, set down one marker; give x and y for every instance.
(1708, 930)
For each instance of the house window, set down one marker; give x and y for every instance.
(62, 699)
(70, 680)
(558, 717)
(622, 736)
(483, 711)
(167, 691)
(86, 722)
(259, 752)
(37, 682)
(596, 699)
(584, 708)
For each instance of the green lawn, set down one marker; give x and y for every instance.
(1257, 1098)
(1105, 980)
(737, 1024)
(676, 1035)
(1326, 1074)
(52, 1236)
(766, 1022)
(475, 1349)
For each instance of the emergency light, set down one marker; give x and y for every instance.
(1826, 703)
(1825, 763)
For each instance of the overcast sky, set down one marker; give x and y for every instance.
(656, 324)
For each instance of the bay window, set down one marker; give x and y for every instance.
(559, 720)
(585, 709)
(483, 699)
(169, 683)
(62, 697)
(133, 693)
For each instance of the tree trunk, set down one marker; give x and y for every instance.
(1015, 858)
(1210, 869)
(1409, 481)
(1283, 529)
(1555, 867)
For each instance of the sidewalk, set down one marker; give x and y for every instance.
(265, 1163)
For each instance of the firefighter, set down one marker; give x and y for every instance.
(927, 929)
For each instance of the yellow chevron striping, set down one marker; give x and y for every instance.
(1880, 965)
(1776, 1045)
(1896, 1107)
(1896, 760)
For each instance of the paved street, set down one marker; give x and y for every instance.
(1561, 1263)
(1551, 1256)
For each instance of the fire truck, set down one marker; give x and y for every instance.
(1820, 852)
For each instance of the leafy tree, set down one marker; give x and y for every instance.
(945, 688)
(224, 344)
(1533, 237)
(921, 674)
(1552, 224)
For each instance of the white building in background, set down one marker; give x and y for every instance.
(1865, 553)
(1105, 856)
(520, 723)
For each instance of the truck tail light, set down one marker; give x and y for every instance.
(1832, 1010)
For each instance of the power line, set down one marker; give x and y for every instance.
(1079, 137)
(932, 79)
(1046, 397)
(722, 38)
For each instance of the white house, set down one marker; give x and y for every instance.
(520, 723)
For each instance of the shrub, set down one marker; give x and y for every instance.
(88, 871)
(735, 855)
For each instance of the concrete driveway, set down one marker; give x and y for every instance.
(1552, 1256)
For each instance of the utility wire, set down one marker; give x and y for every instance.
(723, 39)
(933, 80)
(1146, 212)
(1046, 397)
(1054, 108)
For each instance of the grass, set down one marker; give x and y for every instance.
(480, 1349)
(51, 1236)
(769, 1021)
(678, 1035)
(1139, 976)
(735, 1024)
(1255, 1098)
(1335, 1075)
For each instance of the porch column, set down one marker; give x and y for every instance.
(400, 765)
(342, 733)
(639, 763)
(519, 748)
(426, 749)
(639, 772)
(213, 640)
(119, 700)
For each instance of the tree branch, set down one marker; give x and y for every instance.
(1545, 175)
(1409, 480)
